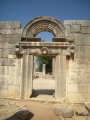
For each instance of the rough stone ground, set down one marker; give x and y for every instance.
(39, 107)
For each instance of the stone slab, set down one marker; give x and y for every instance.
(17, 31)
(2, 38)
(85, 29)
(8, 62)
(81, 110)
(16, 24)
(75, 28)
(2, 25)
(13, 39)
(5, 53)
(87, 105)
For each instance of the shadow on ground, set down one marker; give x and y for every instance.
(21, 115)
(35, 93)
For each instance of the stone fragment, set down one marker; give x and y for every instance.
(87, 105)
(64, 111)
(80, 110)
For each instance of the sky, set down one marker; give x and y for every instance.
(26, 10)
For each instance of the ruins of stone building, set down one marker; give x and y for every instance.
(70, 48)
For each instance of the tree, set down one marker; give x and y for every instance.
(44, 60)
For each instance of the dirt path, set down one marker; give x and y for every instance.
(39, 111)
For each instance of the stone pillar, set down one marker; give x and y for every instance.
(53, 67)
(24, 82)
(27, 75)
(44, 69)
(30, 74)
(34, 66)
(60, 84)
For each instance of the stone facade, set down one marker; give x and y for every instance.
(70, 47)
(78, 75)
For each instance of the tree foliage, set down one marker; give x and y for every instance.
(44, 60)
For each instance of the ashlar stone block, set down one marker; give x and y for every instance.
(0, 61)
(2, 38)
(73, 88)
(2, 25)
(5, 53)
(16, 25)
(5, 45)
(0, 53)
(13, 39)
(75, 28)
(85, 22)
(8, 24)
(85, 29)
(79, 40)
(8, 62)
(7, 31)
(17, 31)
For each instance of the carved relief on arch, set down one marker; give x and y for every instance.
(43, 23)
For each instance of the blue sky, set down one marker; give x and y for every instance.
(26, 10)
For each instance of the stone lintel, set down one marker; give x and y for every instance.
(33, 39)
(61, 39)
(44, 44)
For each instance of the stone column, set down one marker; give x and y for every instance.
(27, 75)
(30, 74)
(60, 84)
(24, 82)
(44, 69)
(53, 67)
(34, 68)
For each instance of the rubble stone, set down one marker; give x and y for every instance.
(64, 111)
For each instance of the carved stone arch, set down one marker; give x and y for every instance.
(44, 23)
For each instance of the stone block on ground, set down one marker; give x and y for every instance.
(81, 110)
(64, 111)
(87, 105)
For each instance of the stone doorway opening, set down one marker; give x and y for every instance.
(30, 46)
(43, 78)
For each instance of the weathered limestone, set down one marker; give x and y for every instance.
(64, 111)
(18, 46)
(60, 84)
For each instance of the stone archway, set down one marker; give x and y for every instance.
(30, 46)
(43, 23)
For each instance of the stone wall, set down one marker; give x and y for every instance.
(10, 64)
(78, 82)
(78, 72)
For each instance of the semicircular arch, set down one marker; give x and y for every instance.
(44, 23)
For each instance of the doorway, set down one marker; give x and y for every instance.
(43, 84)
